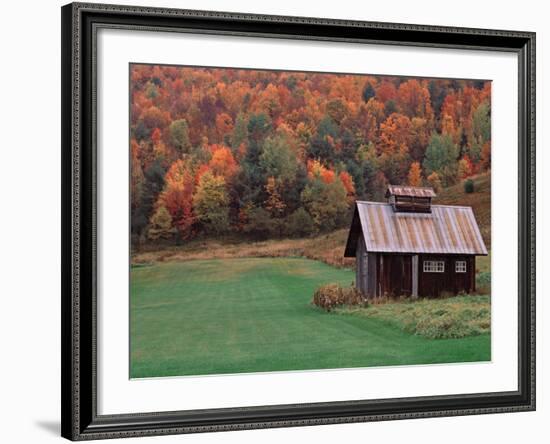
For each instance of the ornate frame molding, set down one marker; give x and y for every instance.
(79, 395)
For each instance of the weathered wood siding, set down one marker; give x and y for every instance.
(365, 270)
(432, 284)
(394, 274)
(372, 277)
(414, 271)
(361, 266)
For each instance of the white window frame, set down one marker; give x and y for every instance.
(460, 267)
(433, 266)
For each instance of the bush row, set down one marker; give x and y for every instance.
(455, 317)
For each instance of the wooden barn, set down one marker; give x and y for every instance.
(409, 247)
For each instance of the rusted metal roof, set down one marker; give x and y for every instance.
(446, 230)
(401, 190)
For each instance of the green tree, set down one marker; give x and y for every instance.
(259, 126)
(481, 122)
(152, 187)
(160, 226)
(441, 157)
(278, 160)
(260, 224)
(179, 135)
(326, 203)
(368, 92)
(291, 194)
(240, 132)
(365, 172)
(481, 131)
(137, 184)
(390, 107)
(211, 204)
(299, 224)
(468, 186)
(356, 172)
(323, 141)
(251, 180)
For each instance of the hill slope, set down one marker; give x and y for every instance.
(479, 200)
(328, 248)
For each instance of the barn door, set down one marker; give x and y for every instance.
(397, 274)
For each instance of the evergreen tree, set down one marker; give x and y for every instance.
(259, 126)
(323, 142)
(152, 186)
(251, 180)
(356, 172)
(368, 92)
(240, 132)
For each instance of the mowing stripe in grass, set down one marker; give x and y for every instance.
(254, 315)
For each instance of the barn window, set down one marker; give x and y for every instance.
(460, 266)
(434, 266)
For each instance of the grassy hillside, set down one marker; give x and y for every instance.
(479, 200)
(254, 315)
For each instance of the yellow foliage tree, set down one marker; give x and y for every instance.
(415, 175)
(435, 181)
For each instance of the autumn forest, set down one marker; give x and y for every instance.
(268, 154)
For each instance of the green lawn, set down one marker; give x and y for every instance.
(253, 315)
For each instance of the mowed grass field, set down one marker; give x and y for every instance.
(254, 314)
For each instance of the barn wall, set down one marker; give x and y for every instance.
(431, 284)
(361, 266)
(381, 274)
(372, 277)
(414, 272)
(365, 270)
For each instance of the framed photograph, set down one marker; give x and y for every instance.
(281, 221)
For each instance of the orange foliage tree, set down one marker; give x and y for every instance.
(222, 162)
(415, 175)
(266, 136)
(177, 196)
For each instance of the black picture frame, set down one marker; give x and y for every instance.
(80, 22)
